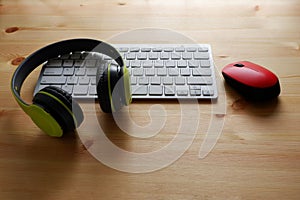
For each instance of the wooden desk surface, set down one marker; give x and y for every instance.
(258, 153)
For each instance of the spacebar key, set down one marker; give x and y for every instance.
(139, 89)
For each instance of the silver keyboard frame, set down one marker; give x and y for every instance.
(148, 96)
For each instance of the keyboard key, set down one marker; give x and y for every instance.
(179, 80)
(93, 80)
(169, 90)
(60, 80)
(181, 63)
(72, 80)
(170, 63)
(149, 71)
(201, 55)
(68, 63)
(80, 71)
(164, 55)
(143, 80)
(168, 49)
(83, 80)
(135, 63)
(79, 63)
(75, 55)
(133, 80)
(158, 63)
(195, 92)
(203, 49)
(130, 56)
(91, 71)
(191, 49)
(123, 49)
(207, 92)
(90, 63)
(134, 49)
(80, 90)
(157, 49)
(145, 49)
(54, 63)
(155, 90)
(87, 55)
(175, 56)
(201, 72)
(65, 56)
(186, 55)
(53, 71)
(167, 80)
(147, 63)
(139, 90)
(173, 71)
(195, 87)
(153, 55)
(179, 49)
(92, 90)
(155, 80)
(161, 72)
(182, 90)
(68, 71)
(68, 88)
(193, 63)
(199, 81)
(185, 72)
(205, 63)
(138, 71)
(141, 56)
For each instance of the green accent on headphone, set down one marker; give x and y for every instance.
(44, 121)
(109, 88)
(127, 87)
(66, 107)
(41, 118)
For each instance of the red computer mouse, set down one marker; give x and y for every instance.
(251, 80)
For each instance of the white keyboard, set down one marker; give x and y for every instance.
(166, 71)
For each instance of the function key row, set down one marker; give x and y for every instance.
(166, 55)
(167, 63)
(163, 49)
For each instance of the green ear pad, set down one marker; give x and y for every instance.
(127, 88)
(44, 120)
(59, 104)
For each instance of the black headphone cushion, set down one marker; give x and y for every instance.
(108, 76)
(102, 89)
(57, 110)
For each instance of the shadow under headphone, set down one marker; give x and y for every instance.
(53, 110)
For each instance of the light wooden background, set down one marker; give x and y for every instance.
(258, 153)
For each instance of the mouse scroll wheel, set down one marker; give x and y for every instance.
(239, 65)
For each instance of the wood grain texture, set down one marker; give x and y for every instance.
(258, 153)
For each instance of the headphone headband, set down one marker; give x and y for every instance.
(54, 50)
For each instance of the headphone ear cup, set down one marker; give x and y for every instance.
(109, 91)
(102, 88)
(59, 104)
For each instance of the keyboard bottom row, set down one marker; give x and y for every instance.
(145, 91)
(167, 90)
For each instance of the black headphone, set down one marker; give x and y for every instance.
(53, 109)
